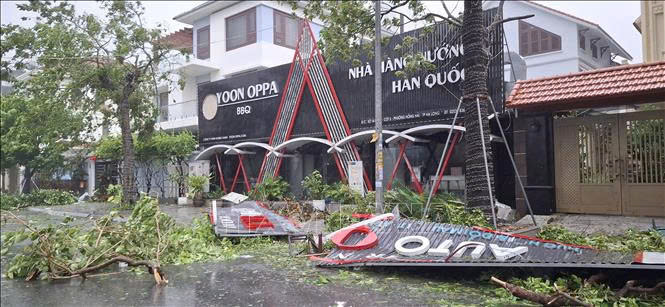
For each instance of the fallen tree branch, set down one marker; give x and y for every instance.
(630, 287)
(558, 299)
(152, 267)
(596, 278)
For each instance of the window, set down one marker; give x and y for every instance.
(203, 43)
(286, 30)
(534, 40)
(594, 50)
(582, 41)
(241, 29)
(163, 106)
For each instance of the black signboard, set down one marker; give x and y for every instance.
(244, 108)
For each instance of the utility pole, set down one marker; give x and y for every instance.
(378, 113)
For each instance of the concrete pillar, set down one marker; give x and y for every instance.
(296, 173)
(91, 177)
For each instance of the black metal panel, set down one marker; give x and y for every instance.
(539, 162)
(402, 107)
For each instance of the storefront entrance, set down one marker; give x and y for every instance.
(611, 164)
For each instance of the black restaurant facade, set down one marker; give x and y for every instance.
(313, 109)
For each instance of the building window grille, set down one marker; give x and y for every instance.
(241, 29)
(534, 40)
(286, 30)
(163, 106)
(582, 42)
(203, 43)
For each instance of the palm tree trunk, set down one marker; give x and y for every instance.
(27, 179)
(476, 60)
(129, 191)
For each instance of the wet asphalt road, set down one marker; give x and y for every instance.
(241, 282)
(265, 278)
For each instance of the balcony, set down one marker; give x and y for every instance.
(179, 116)
(195, 67)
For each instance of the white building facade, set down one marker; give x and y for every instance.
(555, 43)
(228, 38)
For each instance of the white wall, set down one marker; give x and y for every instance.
(546, 64)
(586, 55)
(262, 54)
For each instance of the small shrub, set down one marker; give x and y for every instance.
(270, 189)
(196, 185)
(115, 194)
(314, 187)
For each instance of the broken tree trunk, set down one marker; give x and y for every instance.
(631, 287)
(558, 299)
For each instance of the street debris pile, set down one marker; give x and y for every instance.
(149, 238)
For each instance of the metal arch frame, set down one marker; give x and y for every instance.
(441, 127)
(355, 136)
(212, 149)
(236, 147)
(278, 148)
(230, 150)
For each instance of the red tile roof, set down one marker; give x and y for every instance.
(620, 85)
(181, 39)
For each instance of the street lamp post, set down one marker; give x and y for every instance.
(378, 114)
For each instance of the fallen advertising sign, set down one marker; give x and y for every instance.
(411, 242)
(250, 219)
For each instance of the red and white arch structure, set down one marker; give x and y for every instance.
(308, 69)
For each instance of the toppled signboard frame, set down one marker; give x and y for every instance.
(250, 219)
(405, 242)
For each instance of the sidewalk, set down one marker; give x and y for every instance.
(182, 214)
(592, 224)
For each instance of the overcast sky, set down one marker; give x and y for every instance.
(616, 17)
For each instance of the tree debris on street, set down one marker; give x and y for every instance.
(149, 238)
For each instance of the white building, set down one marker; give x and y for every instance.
(554, 43)
(227, 38)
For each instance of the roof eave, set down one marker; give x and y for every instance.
(201, 10)
(621, 51)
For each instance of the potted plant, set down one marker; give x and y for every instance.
(196, 185)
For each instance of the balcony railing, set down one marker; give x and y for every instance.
(178, 111)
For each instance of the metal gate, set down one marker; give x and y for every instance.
(611, 164)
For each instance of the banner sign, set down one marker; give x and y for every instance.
(250, 219)
(413, 242)
(244, 108)
(356, 177)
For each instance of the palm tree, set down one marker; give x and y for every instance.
(476, 61)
